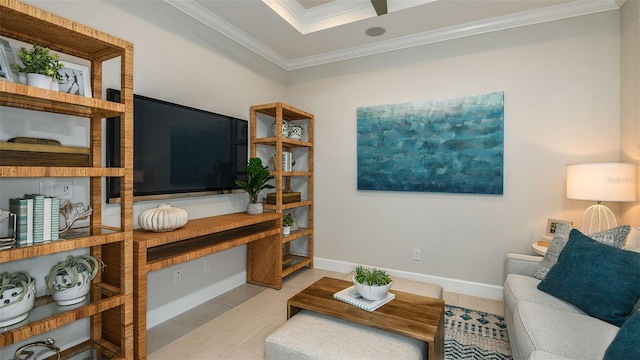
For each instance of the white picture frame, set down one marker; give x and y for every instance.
(9, 61)
(552, 224)
(5, 72)
(76, 79)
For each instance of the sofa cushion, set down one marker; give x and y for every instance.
(541, 329)
(524, 288)
(614, 237)
(625, 345)
(599, 279)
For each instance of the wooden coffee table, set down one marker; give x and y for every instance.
(410, 315)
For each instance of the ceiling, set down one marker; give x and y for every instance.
(296, 34)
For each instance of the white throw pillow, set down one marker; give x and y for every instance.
(633, 240)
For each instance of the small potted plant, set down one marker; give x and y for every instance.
(372, 283)
(18, 294)
(41, 67)
(255, 180)
(69, 281)
(287, 223)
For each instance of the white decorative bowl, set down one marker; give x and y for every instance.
(64, 296)
(163, 218)
(372, 292)
(13, 311)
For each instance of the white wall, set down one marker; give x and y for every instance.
(630, 99)
(561, 86)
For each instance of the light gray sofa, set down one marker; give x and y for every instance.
(541, 326)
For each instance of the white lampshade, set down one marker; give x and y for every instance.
(602, 182)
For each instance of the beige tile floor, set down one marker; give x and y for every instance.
(235, 324)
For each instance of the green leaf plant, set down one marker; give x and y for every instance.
(372, 276)
(288, 220)
(255, 179)
(39, 61)
(73, 267)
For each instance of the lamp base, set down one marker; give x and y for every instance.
(597, 218)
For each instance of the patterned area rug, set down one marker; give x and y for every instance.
(472, 334)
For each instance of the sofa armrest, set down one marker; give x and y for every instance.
(521, 264)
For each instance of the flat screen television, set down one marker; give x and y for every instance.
(178, 151)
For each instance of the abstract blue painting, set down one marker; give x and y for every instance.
(449, 145)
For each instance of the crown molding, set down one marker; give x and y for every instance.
(220, 25)
(558, 12)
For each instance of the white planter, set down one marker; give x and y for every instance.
(286, 230)
(254, 209)
(372, 292)
(68, 296)
(13, 311)
(40, 81)
(163, 218)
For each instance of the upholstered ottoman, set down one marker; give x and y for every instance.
(309, 335)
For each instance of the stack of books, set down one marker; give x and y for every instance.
(37, 218)
(287, 161)
(351, 296)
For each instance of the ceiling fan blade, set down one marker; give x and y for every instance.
(380, 6)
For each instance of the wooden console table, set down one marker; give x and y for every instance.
(201, 237)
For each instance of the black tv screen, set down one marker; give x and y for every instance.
(178, 150)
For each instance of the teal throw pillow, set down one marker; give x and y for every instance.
(625, 344)
(614, 237)
(599, 279)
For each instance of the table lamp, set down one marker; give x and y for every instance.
(601, 182)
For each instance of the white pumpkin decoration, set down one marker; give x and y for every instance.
(163, 218)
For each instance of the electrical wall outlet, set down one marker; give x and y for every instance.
(177, 275)
(56, 188)
(416, 254)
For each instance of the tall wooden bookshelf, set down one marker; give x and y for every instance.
(268, 140)
(110, 306)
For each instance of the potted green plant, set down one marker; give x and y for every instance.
(287, 223)
(18, 294)
(255, 180)
(69, 281)
(372, 283)
(40, 66)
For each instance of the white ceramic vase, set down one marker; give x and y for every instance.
(13, 311)
(286, 230)
(40, 81)
(64, 296)
(254, 209)
(163, 218)
(372, 292)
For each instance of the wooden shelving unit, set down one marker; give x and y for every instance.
(264, 141)
(110, 304)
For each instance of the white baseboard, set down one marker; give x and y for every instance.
(450, 285)
(167, 311)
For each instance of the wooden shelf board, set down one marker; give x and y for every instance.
(107, 235)
(49, 316)
(44, 28)
(296, 235)
(288, 112)
(289, 205)
(186, 250)
(285, 141)
(33, 98)
(97, 350)
(42, 171)
(297, 263)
